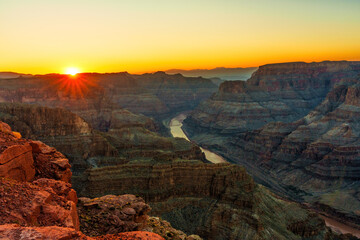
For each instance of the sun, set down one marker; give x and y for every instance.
(72, 71)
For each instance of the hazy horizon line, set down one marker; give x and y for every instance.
(177, 69)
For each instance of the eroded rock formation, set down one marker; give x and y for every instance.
(215, 201)
(36, 198)
(98, 98)
(295, 128)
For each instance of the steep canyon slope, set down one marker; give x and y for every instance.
(114, 151)
(37, 201)
(128, 139)
(216, 201)
(295, 127)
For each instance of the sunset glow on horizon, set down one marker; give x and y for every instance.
(46, 36)
(72, 71)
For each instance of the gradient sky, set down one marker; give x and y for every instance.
(42, 36)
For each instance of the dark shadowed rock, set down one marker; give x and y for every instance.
(295, 128)
(112, 214)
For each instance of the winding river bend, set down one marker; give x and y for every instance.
(176, 131)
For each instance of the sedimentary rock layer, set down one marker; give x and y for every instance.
(306, 149)
(126, 140)
(216, 201)
(98, 98)
(40, 204)
(278, 92)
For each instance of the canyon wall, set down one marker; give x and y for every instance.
(295, 127)
(216, 201)
(97, 98)
(127, 140)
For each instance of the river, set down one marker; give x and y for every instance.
(176, 131)
(339, 227)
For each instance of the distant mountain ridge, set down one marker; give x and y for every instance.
(9, 75)
(219, 72)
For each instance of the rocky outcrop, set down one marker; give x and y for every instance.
(112, 214)
(62, 129)
(309, 153)
(14, 162)
(50, 163)
(40, 203)
(14, 231)
(164, 229)
(26, 160)
(48, 199)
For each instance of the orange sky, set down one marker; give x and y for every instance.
(42, 36)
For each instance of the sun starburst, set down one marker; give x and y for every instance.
(72, 71)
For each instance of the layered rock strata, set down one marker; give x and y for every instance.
(215, 201)
(37, 200)
(98, 98)
(276, 92)
(302, 140)
(126, 141)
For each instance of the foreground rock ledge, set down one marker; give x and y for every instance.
(36, 198)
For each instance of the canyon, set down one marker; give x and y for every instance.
(295, 128)
(176, 131)
(225, 201)
(110, 127)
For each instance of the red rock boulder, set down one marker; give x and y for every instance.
(45, 202)
(112, 214)
(16, 232)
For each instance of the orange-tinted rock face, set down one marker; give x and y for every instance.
(37, 205)
(17, 162)
(14, 232)
(28, 201)
(42, 203)
(50, 163)
(26, 160)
